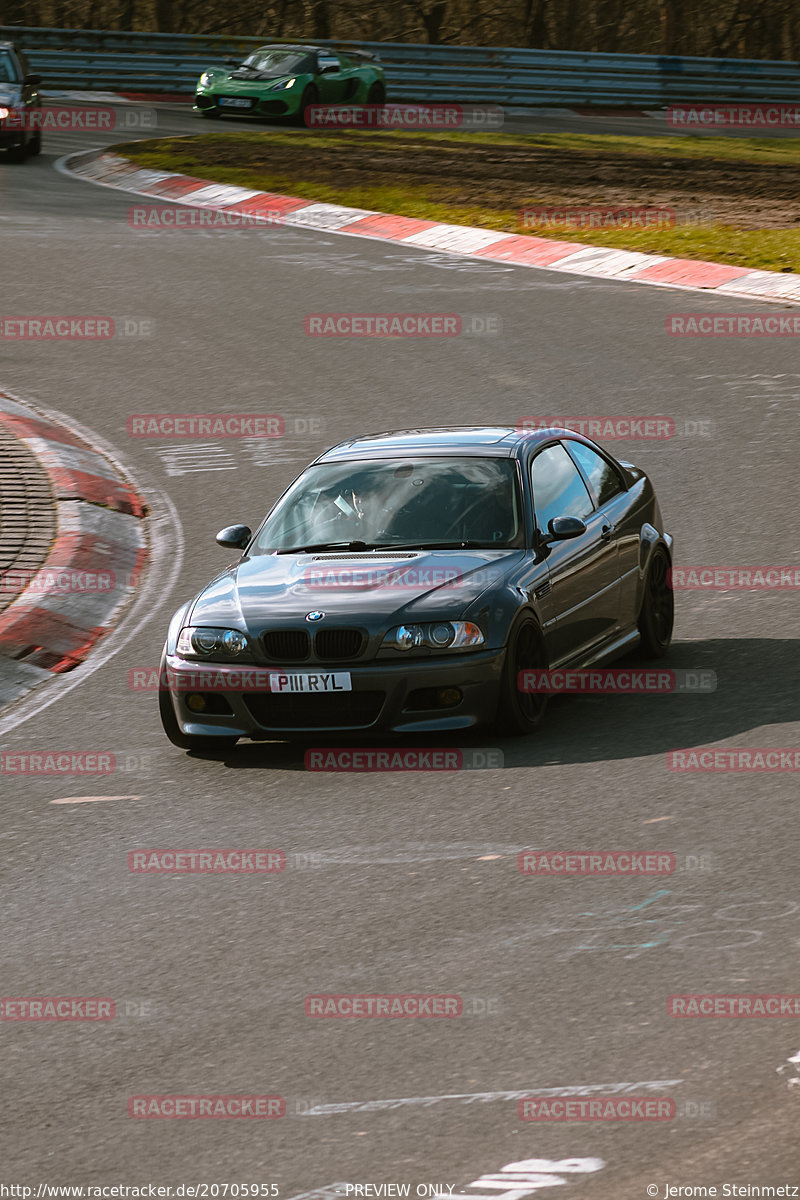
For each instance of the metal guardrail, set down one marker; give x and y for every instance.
(109, 60)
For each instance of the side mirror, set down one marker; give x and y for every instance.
(234, 537)
(33, 80)
(329, 69)
(564, 528)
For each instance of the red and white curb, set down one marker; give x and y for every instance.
(100, 541)
(111, 170)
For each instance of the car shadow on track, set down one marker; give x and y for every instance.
(756, 685)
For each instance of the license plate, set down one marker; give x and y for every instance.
(310, 681)
(234, 102)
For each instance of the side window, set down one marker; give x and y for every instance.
(326, 59)
(558, 490)
(601, 475)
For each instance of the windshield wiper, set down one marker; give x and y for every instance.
(447, 546)
(320, 546)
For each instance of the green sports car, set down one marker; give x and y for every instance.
(284, 81)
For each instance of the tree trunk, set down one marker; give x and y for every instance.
(672, 30)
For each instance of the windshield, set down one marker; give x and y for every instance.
(398, 502)
(7, 74)
(275, 62)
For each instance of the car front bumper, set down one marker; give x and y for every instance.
(384, 698)
(277, 105)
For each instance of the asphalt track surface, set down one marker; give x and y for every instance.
(415, 887)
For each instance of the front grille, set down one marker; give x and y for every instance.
(340, 710)
(287, 645)
(332, 644)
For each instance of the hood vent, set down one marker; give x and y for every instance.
(368, 556)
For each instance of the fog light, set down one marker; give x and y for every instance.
(448, 697)
(196, 702)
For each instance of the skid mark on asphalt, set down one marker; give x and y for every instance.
(187, 458)
(578, 1089)
(90, 799)
(414, 852)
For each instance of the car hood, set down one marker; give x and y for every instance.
(246, 84)
(277, 589)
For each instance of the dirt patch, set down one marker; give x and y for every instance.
(508, 177)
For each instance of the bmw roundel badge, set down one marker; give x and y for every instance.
(316, 615)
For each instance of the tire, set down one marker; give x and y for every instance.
(185, 741)
(376, 94)
(210, 114)
(310, 96)
(657, 614)
(520, 713)
(17, 154)
(35, 144)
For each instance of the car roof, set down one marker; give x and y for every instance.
(284, 46)
(500, 441)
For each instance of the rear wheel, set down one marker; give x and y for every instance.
(35, 144)
(519, 712)
(657, 615)
(186, 741)
(18, 153)
(376, 94)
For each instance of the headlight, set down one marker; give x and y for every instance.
(4, 112)
(281, 87)
(438, 635)
(195, 641)
(206, 78)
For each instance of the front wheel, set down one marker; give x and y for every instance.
(18, 153)
(310, 96)
(376, 94)
(657, 615)
(519, 712)
(185, 741)
(35, 144)
(210, 114)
